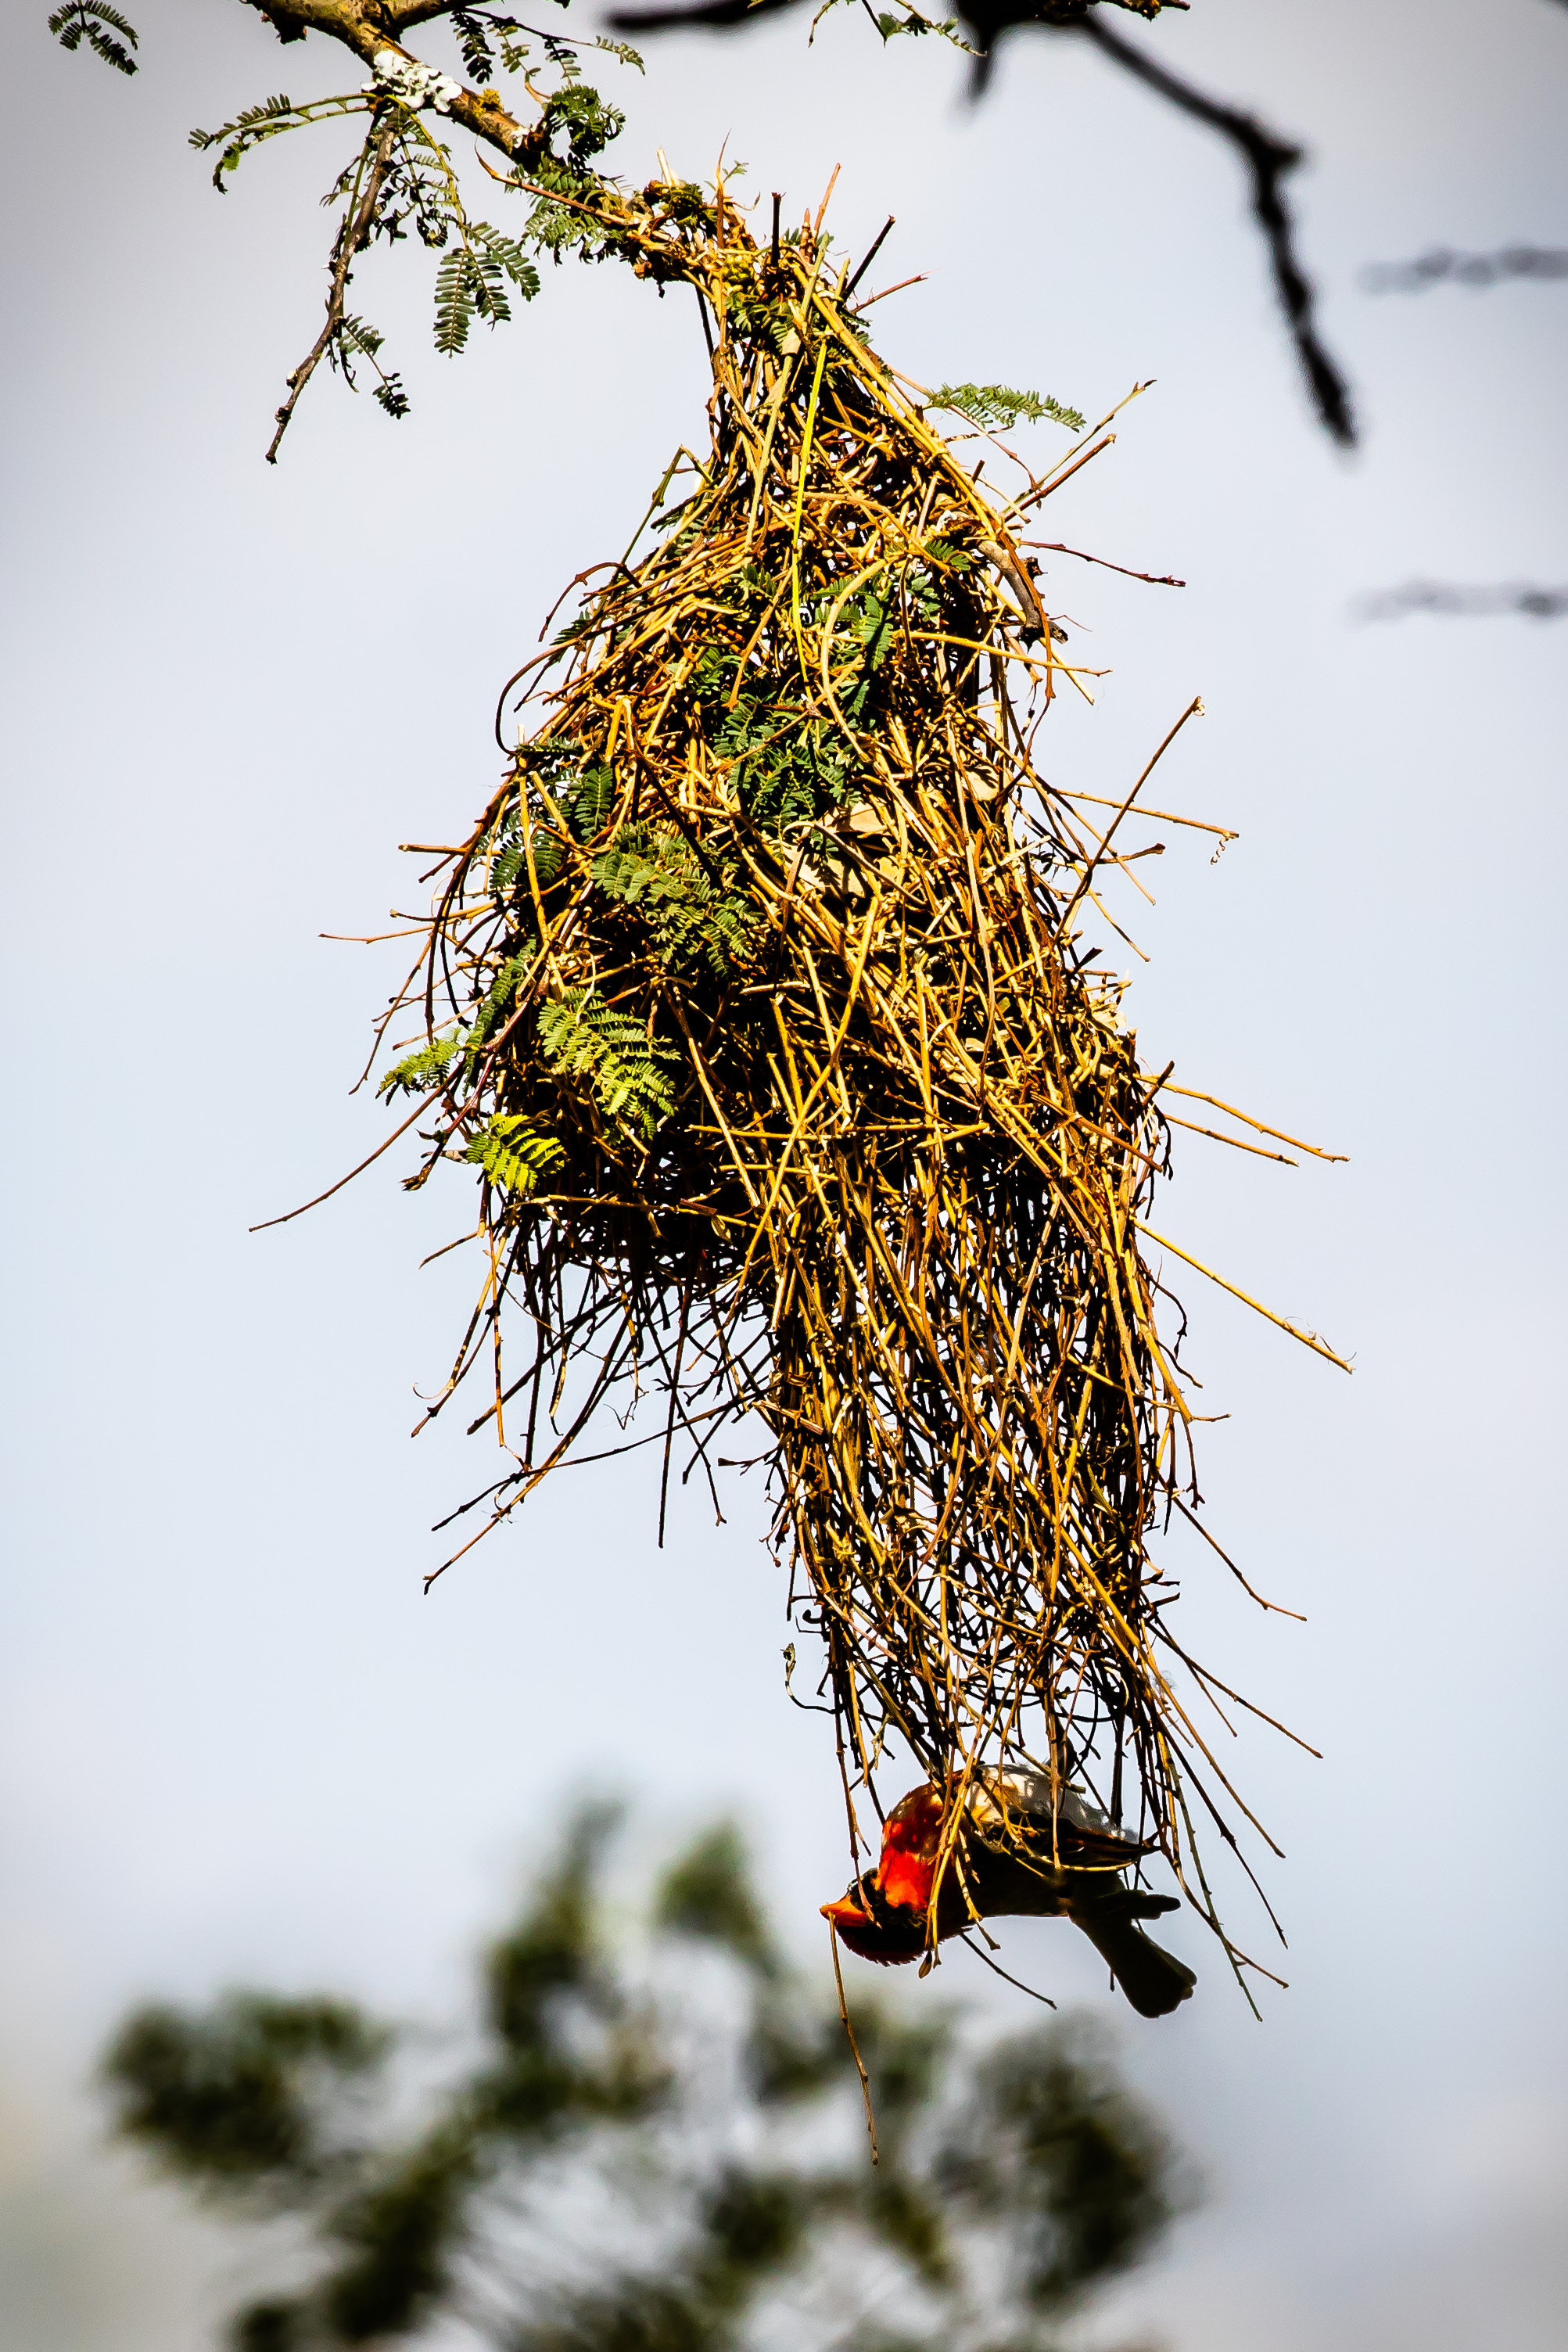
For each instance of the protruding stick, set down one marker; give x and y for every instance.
(854, 2045)
(871, 256)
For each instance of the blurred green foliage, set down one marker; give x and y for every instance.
(249, 2097)
(655, 2147)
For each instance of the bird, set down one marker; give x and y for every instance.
(1068, 1863)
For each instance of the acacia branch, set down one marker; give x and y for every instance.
(373, 27)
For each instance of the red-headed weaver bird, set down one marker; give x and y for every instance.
(1068, 1863)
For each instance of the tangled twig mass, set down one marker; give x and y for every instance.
(758, 997)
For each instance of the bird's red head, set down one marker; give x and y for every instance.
(882, 1915)
(873, 1929)
(911, 1839)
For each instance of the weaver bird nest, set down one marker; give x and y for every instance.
(757, 997)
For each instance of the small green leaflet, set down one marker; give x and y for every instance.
(472, 283)
(94, 22)
(996, 407)
(948, 554)
(586, 1038)
(690, 917)
(591, 803)
(268, 120)
(430, 1065)
(425, 1068)
(502, 989)
(356, 337)
(514, 1154)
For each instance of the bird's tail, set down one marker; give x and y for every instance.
(1154, 1979)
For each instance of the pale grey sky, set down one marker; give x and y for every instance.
(236, 1742)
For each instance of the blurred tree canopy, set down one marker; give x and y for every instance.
(651, 2145)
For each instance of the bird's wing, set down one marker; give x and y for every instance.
(1066, 1818)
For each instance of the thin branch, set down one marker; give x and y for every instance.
(854, 2045)
(1464, 604)
(1059, 547)
(1542, 262)
(353, 238)
(1270, 161)
(997, 1971)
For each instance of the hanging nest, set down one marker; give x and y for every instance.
(759, 999)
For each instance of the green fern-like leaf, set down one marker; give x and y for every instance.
(514, 1154)
(549, 855)
(509, 255)
(94, 22)
(586, 124)
(426, 1068)
(627, 56)
(585, 1037)
(472, 281)
(268, 120)
(875, 624)
(430, 1065)
(514, 837)
(474, 40)
(631, 870)
(503, 990)
(591, 801)
(453, 303)
(691, 916)
(360, 336)
(357, 339)
(997, 408)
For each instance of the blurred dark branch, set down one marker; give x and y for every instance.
(1477, 269)
(1270, 161)
(709, 15)
(984, 19)
(1463, 603)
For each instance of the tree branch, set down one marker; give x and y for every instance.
(371, 28)
(1270, 160)
(355, 237)
(1471, 269)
